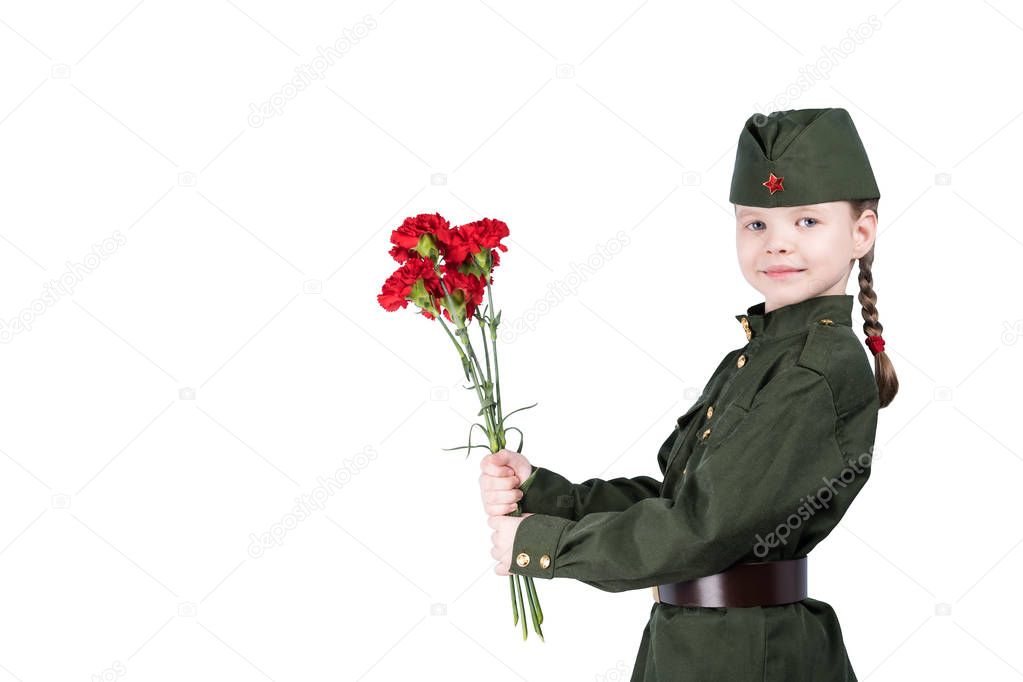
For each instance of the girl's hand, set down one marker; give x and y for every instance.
(502, 473)
(504, 539)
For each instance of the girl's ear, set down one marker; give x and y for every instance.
(864, 233)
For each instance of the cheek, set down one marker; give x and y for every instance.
(748, 262)
(746, 251)
(829, 247)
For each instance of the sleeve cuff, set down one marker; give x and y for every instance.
(536, 544)
(524, 486)
(546, 492)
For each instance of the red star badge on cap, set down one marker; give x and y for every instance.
(773, 183)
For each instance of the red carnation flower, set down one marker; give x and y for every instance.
(453, 245)
(485, 234)
(466, 291)
(417, 236)
(458, 243)
(414, 281)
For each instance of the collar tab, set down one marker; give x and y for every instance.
(831, 309)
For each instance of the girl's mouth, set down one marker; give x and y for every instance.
(782, 274)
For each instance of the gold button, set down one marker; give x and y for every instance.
(522, 559)
(741, 361)
(825, 321)
(545, 561)
(745, 327)
(705, 434)
(710, 412)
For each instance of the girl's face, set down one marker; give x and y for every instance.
(790, 254)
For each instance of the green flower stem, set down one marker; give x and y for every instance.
(497, 368)
(536, 601)
(476, 384)
(522, 609)
(486, 356)
(515, 607)
(534, 608)
(477, 371)
(486, 351)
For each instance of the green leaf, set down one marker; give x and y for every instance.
(521, 437)
(520, 409)
(470, 446)
(460, 447)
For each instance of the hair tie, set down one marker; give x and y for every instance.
(875, 343)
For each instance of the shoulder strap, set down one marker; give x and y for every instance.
(815, 355)
(817, 349)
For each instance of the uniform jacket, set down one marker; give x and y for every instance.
(761, 467)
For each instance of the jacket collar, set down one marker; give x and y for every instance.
(796, 316)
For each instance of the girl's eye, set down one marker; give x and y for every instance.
(752, 225)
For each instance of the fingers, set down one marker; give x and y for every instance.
(496, 511)
(499, 510)
(502, 496)
(494, 460)
(499, 493)
(499, 482)
(501, 502)
(501, 554)
(492, 468)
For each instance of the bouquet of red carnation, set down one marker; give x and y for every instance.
(444, 271)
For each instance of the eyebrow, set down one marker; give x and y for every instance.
(791, 209)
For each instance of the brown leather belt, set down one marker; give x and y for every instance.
(763, 583)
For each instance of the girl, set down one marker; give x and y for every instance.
(766, 462)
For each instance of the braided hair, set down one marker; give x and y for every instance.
(884, 372)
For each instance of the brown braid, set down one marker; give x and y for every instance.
(884, 372)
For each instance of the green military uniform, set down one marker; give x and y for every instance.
(760, 468)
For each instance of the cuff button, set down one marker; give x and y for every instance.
(522, 559)
(545, 561)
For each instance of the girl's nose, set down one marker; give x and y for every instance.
(778, 243)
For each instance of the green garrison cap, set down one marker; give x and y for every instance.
(799, 157)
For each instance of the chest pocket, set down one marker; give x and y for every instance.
(683, 425)
(717, 430)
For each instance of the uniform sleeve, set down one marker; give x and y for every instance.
(755, 470)
(547, 492)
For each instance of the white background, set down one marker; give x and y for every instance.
(227, 354)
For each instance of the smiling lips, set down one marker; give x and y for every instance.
(781, 271)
